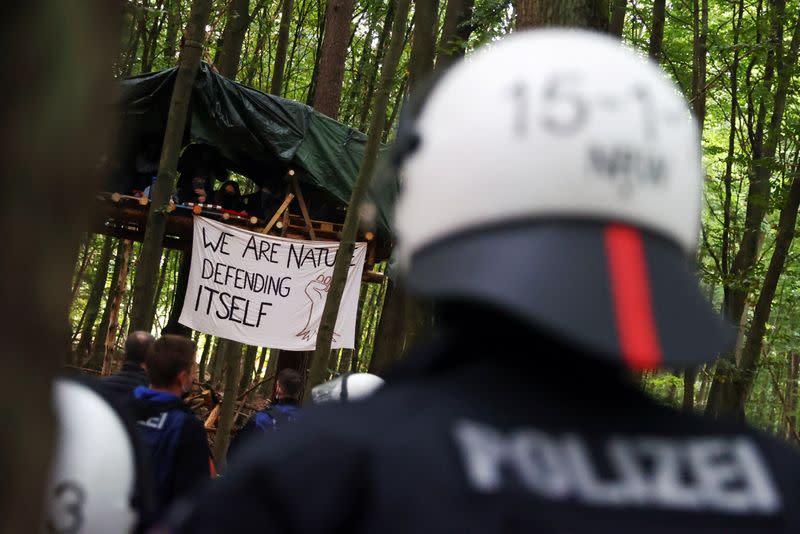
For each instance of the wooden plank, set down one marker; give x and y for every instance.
(303, 208)
(281, 210)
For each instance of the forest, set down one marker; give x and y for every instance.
(736, 62)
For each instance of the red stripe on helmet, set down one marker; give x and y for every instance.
(630, 290)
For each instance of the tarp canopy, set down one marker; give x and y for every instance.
(257, 135)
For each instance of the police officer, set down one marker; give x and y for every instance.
(175, 437)
(283, 411)
(100, 476)
(569, 269)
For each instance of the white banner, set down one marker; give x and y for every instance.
(266, 291)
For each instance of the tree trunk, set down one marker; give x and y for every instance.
(743, 379)
(724, 397)
(272, 368)
(312, 90)
(331, 65)
(591, 14)
(345, 254)
(162, 276)
(93, 302)
(147, 268)
(423, 46)
(790, 421)
(173, 326)
(657, 30)
(374, 68)
(57, 121)
(262, 356)
(248, 367)
(173, 24)
(218, 363)
(689, 377)
(700, 50)
(276, 85)
(76, 284)
(238, 19)
(617, 22)
(99, 344)
(118, 290)
(390, 342)
(456, 29)
(207, 342)
(233, 357)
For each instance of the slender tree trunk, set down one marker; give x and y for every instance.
(272, 367)
(99, 344)
(57, 121)
(379, 53)
(657, 30)
(276, 84)
(689, 377)
(592, 14)
(724, 397)
(743, 380)
(207, 342)
(262, 356)
(120, 285)
(94, 300)
(218, 363)
(790, 421)
(88, 252)
(162, 276)
(398, 103)
(238, 19)
(340, 269)
(173, 25)
(617, 22)
(173, 326)
(233, 357)
(390, 343)
(312, 90)
(424, 44)
(700, 29)
(456, 30)
(147, 268)
(248, 367)
(331, 65)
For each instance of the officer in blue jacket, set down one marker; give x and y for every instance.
(176, 438)
(284, 410)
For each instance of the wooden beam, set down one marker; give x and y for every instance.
(303, 208)
(274, 219)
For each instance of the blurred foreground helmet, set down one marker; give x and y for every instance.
(556, 175)
(94, 481)
(347, 387)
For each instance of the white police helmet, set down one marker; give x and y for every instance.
(93, 482)
(557, 175)
(346, 387)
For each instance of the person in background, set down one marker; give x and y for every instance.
(229, 197)
(283, 411)
(176, 438)
(134, 370)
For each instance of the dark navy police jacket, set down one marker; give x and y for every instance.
(506, 432)
(177, 442)
(265, 421)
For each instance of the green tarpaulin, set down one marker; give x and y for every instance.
(258, 135)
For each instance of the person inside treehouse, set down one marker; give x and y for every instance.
(229, 197)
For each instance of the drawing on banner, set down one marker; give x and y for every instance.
(316, 291)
